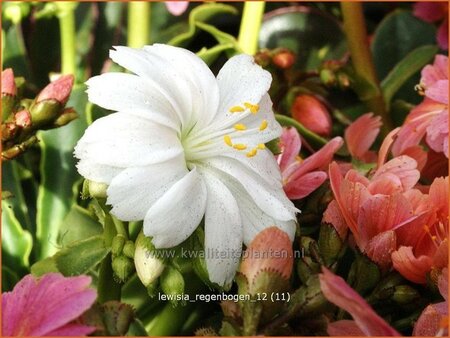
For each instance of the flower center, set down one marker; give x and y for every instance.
(210, 141)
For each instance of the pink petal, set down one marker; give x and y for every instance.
(386, 146)
(72, 329)
(380, 248)
(404, 167)
(437, 133)
(386, 184)
(435, 72)
(333, 216)
(439, 191)
(410, 267)
(290, 147)
(429, 11)
(440, 257)
(443, 283)
(418, 154)
(442, 35)
(344, 328)
(438, 91)
(338, 292)
(177, 7)
(45, 304)
(429, 321)
(304, 185)
(361, 134)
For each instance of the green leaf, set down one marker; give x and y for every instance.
(80, 257)
(201, 13)
(58, 173)
(44, 266)
(407, 67)
(395, 37)
(14, 53)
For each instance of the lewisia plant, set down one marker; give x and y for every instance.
(183, 145)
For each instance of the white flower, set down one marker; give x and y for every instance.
(185, 145)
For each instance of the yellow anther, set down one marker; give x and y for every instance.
(254, 108)
(236, 109)
(240, 126)
(240, 146)
(263, 125)
(252, 152)
(261, 146)
(227, 140)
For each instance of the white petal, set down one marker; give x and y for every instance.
(97, 172)
(135, 95)
(223, 231)
(121, 140)
(136, 189)
(270, 199)
(181, 74)
(174, 216)
(241, 80)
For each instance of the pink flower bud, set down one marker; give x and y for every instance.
(23, 118)
(284, 59)
(8, 84)
(58, 90)
(310, 112)
(270, 250)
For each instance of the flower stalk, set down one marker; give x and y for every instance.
(66, 17)
(355, 30)
(138, 23)
(250, 26)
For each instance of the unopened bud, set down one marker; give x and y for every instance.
(23, 118)
(405, 294)
(283, 58)
(67, 115)
(58, 90)
(308, 300)
(262, 58)
(97, 189)
(123, 267)
(330, 244)
(117, 244)
(8, 84)
(172, 282)
(9, 130)
(128, 249)
(310, 112)
(327, 77)
(148, 265)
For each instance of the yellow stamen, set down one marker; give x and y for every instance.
(240, 146)
(254, 108)
(240, 126)
(263, 125)
(227, 140)
(252, 152)
(236, 109)
(261, 146)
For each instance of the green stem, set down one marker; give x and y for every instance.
(250, 26)
(312, 137)
(138, 24)
(66, 17)
(355, 30)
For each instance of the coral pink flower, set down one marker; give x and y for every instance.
(429, 118)
(302, 177)
(373, 209)
(424, 244)
(433, 12)
(177, 7)
(366, 321)
(361, 134)
(47, 306)
(434, 319)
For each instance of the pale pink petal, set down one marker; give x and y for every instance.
(403, 167)
(435, 72)
(344, 328)
(440, 258)
(418, 154)
(410, 267)
(429, 321)
(45, 304)
(439, 192)
(290, 147)
(380, 248)
(304, 185)
(442, 35)
(386, 146)
(355, 177)
(177, 7)
(386, 184)
(333, 216)
(361, 134)
(338, 292)
(443, 283)
(437, 133)
(438, 91)
(429, 11)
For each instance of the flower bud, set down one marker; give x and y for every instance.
(58, 90)
(310, 112)
(117, 244)
(9, 130)
(23, 118)
(148, 265)
(8, 84)
(283, 58)
(327, 77)
(94, 189)
(330, 244)
(123, 267)
(128, 249)
(308, 300)
(67, 115)
(172, 282)
(405, 294)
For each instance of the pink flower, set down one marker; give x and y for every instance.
(429, 118)
(424, 243)
(310, 112)
(433, 12)
(47, 306)
(365, 320)
(434, 319)
(177, 7)
(361, 134)
(302, 177)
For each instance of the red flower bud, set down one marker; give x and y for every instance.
(270, 250)
(22, 118)
(310, 112)
(284, 59)
(8, 84)
(58, 90)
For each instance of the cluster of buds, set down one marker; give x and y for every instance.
(334, 73)
(22, 117)
(281, 58)
(122, 257)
